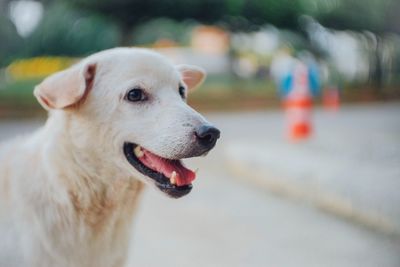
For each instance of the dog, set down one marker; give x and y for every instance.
(118, 120)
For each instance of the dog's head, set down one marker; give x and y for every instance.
(135, 103)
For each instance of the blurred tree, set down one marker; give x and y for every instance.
(63, 31)
(233, 14)
(375, 18)
(163, 28)
(10, 41)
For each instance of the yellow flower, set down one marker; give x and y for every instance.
(38, 67)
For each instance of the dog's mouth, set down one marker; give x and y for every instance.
(170, 176)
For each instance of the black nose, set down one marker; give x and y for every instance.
(207, 136)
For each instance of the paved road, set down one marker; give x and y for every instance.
(227, 221)
(354, 157)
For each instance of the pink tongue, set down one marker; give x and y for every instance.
(184, 176)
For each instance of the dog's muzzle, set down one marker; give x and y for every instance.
(170, 175)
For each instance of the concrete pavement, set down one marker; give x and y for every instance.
(233, 223)
(351, 166)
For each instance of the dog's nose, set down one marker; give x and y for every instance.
(207, 136)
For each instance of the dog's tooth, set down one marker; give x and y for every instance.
(173, 174)
(138, 152)
(173, 177)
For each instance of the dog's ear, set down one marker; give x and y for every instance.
(66, 88)
(192, 76)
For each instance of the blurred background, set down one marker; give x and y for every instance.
(306, 94)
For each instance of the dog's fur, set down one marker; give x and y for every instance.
(67, 192)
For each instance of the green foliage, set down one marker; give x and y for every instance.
(283, 13)
(63, 31)
(373, 15)
(162, 28)
(133, 12)
(236, 14)
(10, 41)
(17, 93)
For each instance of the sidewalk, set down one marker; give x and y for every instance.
(350, 167)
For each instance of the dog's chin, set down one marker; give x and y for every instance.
(169, 176)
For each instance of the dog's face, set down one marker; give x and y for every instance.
(136, 100)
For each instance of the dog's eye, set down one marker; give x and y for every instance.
(182, 91)
(136, 95)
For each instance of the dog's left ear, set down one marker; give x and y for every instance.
(66, 88)
(192, 76)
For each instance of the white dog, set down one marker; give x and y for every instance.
(118, 119)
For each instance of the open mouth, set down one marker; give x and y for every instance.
(170, 176)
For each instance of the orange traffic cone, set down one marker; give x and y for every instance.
(298, 105)
(331, 99)
(298, 113)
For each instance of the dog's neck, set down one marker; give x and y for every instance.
(96, 188)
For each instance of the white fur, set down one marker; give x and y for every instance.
(67, 192)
